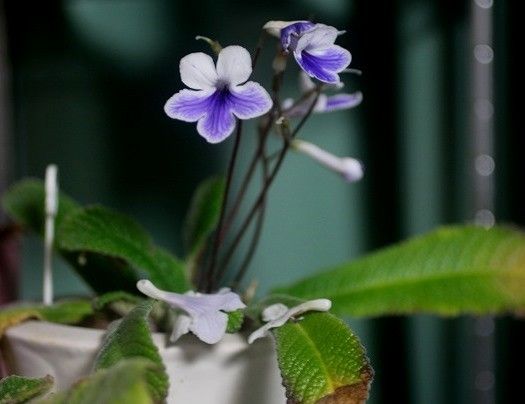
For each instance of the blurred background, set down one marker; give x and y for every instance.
(83, 84)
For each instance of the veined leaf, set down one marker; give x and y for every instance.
(322, 361)
(454, 270)
(126, 382)
(131, 338)
(99, 230)
(64, 312)
(18, 390)
(25, 203)
(203, 214)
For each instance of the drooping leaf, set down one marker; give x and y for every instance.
(454, 270)
(100, 230)
(235, 320)
(25, 203)
(125, 382)
(18, 390)
(64, 312)
(203, 214)
(131, 338)
(322, 361)
(107, 299)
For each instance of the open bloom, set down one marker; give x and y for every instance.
(325, 103)
(349, 168)
(217, 93)
(203, 314)
(313, 47)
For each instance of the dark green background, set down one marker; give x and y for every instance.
(89, 80)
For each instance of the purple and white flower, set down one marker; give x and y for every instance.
(325, 103)
(218, 93)
(202, 314)
(349, 168)
(313, 47)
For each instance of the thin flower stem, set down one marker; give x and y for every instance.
(219, 236)
(257, 232)
(264, 132)
(262, 195)
(258, 49)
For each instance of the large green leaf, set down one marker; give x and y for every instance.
(203, 215)
(454, 270)
(131, 338)
(322, 361)
(126, 382)
(64, 312)
(18, 390)
(100, 230)
(25, 203)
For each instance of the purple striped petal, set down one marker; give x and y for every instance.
(219, 122)
(343, 101)
(188, 105)
(291, 33)
(324, 64)
(249, 100)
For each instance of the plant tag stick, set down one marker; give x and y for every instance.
(51, 207)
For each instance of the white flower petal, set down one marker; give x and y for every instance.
(320, 37)
(181, 326)
(234, 65)
(274, 311)
(211, 327)
(197, 71)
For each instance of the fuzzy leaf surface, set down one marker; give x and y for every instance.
(322, 361)
(18, 390)
(63, 312)
(99, 230)
(126, 382)
(131, 338)
(453, 270)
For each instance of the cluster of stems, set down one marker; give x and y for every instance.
(213, 273)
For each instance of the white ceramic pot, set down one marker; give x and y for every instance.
(231, 372)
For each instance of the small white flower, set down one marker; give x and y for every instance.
(349, 168)
(278, 314)
(203, 314)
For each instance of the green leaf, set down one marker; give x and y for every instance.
(126, 382)
(64, 312)
(321, 360)
(100, 230)
(131, 338)
(203, 215)
(108, 299)
(454, 270)
(18, 390)
(25, 203)
(235, 320)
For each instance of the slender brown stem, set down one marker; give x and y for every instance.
(219, 236)
(262, 195)
(257, 232)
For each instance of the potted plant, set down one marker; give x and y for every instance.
(161, 328)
